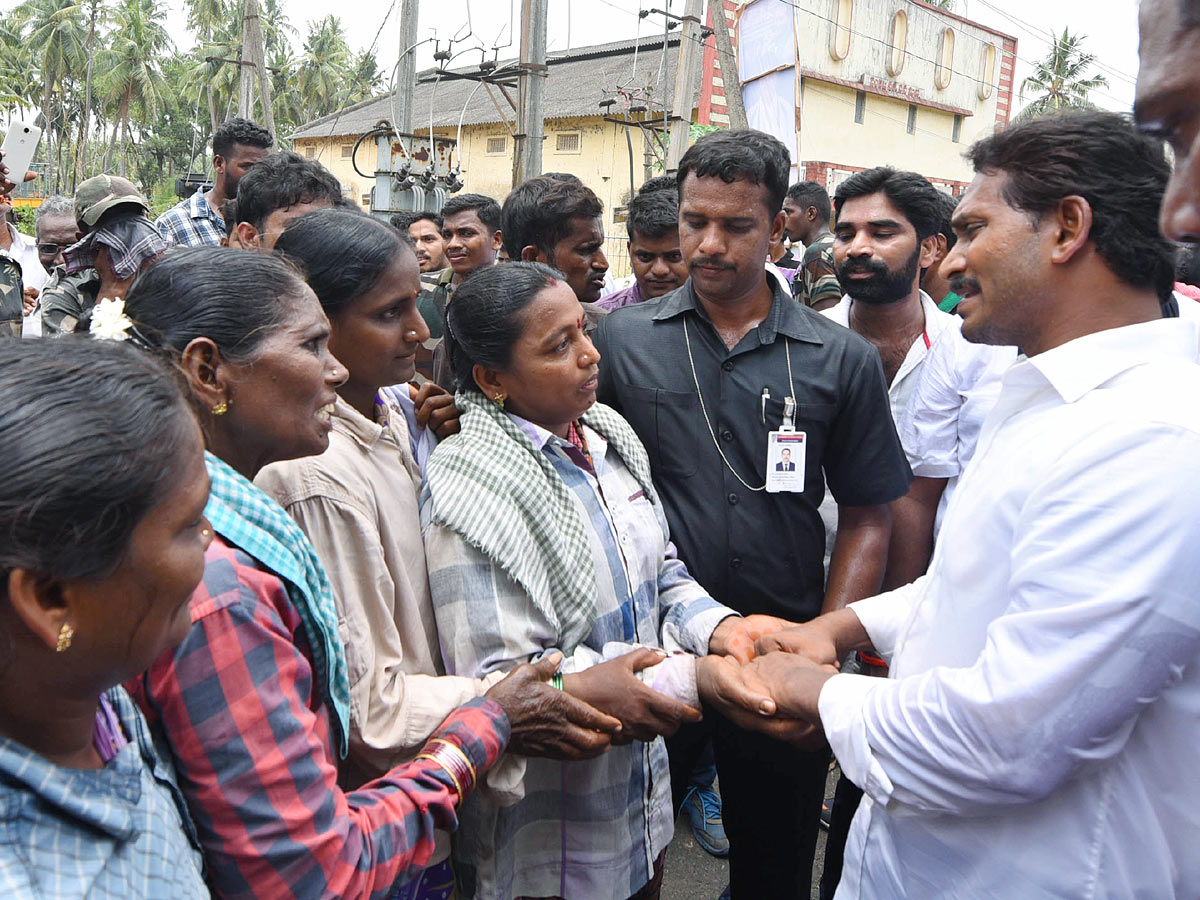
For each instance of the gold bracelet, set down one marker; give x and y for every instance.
(445, 768)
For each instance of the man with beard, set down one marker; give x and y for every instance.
(197, 220)
(723, 366)
(887, 224)
(886, 234)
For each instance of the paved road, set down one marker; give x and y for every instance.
(692, 874)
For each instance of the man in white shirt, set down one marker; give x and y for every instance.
(1038, 734)
(886, 234)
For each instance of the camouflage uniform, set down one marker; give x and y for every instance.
(68, 299)
(819, 273)
(12, 296)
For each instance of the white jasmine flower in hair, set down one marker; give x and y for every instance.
(109, 320)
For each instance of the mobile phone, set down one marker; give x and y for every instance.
(20, 143)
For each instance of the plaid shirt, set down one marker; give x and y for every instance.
(106, 834)
(235, 704)
(192, 222)
(584, 829)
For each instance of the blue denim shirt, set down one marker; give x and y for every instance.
(120, 832)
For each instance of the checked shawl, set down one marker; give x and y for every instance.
(500, 494)
(254, 523)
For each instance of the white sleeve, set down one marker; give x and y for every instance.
(1102, 619)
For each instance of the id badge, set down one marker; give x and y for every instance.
(785, 461)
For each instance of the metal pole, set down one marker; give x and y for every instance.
(527, 161)
(687, 76)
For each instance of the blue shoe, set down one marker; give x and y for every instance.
(703, 806)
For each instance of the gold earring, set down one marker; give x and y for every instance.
(220, 409)
(500, 398)
(65, 635)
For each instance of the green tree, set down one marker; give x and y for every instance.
(1061, 80)
(321, 77)
(363, 79)
(132, 77)
(53, 32)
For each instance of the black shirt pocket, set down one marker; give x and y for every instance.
(670, 424)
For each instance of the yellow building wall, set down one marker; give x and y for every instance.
(828, 132)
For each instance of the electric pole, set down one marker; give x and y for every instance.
(687, 76)
(527, 160)
(406, 73)
(729, 66)
(254, 68)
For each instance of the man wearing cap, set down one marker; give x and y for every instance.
(118, 241)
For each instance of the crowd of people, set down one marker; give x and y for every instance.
(347, 558)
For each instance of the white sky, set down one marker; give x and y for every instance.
(1110, 26)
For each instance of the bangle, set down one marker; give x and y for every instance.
(450, 758)
(556, 681)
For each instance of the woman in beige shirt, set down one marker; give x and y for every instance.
(357, 503)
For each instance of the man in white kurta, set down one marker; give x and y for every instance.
(1038, 734)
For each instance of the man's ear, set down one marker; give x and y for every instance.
(40, 603)
(207, 373)
(246, 235)
(497, 240)
(777, 227)
(531, 253)
(1072, 228)
(218, 163)
(933, 249)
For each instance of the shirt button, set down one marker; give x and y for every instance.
(733, 499)
(727, 366)
(727, 435)
(736, 562)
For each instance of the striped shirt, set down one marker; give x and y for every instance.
(584, 829)
(236, 706)
(192, 222)
(116, 833)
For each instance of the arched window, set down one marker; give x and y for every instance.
(987, 71)
(945, 60)
(896, 54)
(839, 37)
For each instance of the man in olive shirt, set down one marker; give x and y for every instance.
(806, 211)
(704, 374)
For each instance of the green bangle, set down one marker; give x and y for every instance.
(556, 680)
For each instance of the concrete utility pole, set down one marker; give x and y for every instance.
(527, 161)
(254, 67)
(687, 76)
(406, 74)
(729, 66)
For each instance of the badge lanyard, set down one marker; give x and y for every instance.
(789, 405)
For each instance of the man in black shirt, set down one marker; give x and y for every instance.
(715, 367)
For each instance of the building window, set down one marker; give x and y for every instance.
(899, 42)
(987, 71)
(860, 107)
(366, 200)
(347, 151)
(839, 37)
(956, 131)
(945, 60)
(567, 142)
(497, 146)
(912, 118)
(311, 151)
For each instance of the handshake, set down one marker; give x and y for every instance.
(766, 674)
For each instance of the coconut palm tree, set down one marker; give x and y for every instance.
(131, 70)
(363, 78)
(53, 32)
(321, 78)
(1061, 79)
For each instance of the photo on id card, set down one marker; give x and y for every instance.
(785, 461)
